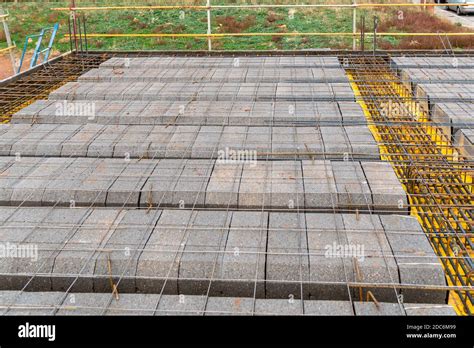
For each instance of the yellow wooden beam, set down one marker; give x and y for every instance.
(221, 35)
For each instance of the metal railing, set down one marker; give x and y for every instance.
(208, 8)
(10, 44)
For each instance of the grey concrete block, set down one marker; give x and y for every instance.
(328, 308)
(122, 251)
(102, 145)
(126, 189)
(78, 144)
(352, 188)
(254, 188)
(223, 187)
(132, 143)
(229, 306)
(201, 261)
(287, 256)
(308, 139)
(7, 299)
(319, 184)
(26, 146)
(233, 138)
(416, 260)
(383, 308)
(377, 264)
(387, 191)
(32, 273)
(159, 138)
(429, 309)
(336, 143)
(328, 262)
(159, 188)
(133, 304)
(29, 190)
(180, 144)
(158, 265)
(464, 141)
(286, 185)
(181, 305)
(13, 174)
(74, 265)
(51, 144)
(242, 272)
(278, 307)
(85, 304)
(284, 140)
(93, 189)
(190, 188)
(206, 143)
(362, 143)
(60, 191)
(31, 303)
(10, 134)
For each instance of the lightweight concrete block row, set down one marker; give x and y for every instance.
(189, 113)
(430, 94)
(235, 74)
(464, 141)
(148, 141)
(210, 91)
(437, 75)
(222, 253)
(12, 171)
(452, 62)
(416, 261)
(452, 117)
(222, 62)
(47, 230)
(204, 183)
(364, 233)
(63, 304)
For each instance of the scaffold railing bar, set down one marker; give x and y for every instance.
(250, 6)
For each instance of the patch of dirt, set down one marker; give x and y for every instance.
(422, 21)
(229, 24)
(6, 69)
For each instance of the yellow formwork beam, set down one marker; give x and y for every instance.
(7, 49)
(222, 35)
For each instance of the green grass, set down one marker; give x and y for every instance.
(29, 18)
